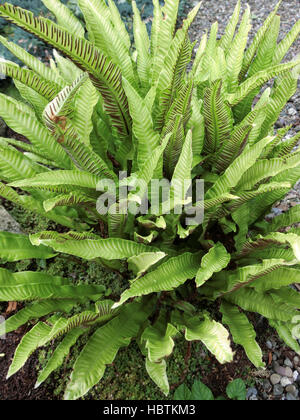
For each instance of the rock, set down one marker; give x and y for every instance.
(7, 223)
(289, 372)
(284, 371)
(290, 397)
(292, 111)
(253, 398)
(251, 392)
(280, 123)
(291, 389)
(296, 360)
(295, 375)
(277, 390)
(267, 386)
(269, 345)
(286, 381)
(276, 211)
(288, 363)
(275, 379)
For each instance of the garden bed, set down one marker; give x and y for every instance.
(127, 377)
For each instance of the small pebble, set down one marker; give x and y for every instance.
(292, 111)
(284, 371)
(251, 392)
(276, 211)
(295, 375)
(269, 345)
(291, 389)
(288, 363)
(275, 379)
(280, 123)
(290, 397)
(267, 386)
(277, 390)
(286, 381)
(296, 360)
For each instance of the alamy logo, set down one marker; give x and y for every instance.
(132, 195)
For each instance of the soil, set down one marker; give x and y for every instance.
(21, 385)
(216, 376)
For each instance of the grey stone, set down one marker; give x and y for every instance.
(277, 390)
(295, 375)
(7, 223)
(296, 360)
(291, 389)
(288, 363)
(292, 111)
(269, 345)
(276, 211)
(251, 392)
(275, 379)
(267, 386)
(290, 397)
(286, 381)
(280, 123)
(284, 371)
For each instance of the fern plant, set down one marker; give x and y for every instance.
(105, 106)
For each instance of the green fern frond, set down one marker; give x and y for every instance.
(65, 17)
(218, 118)
(29, 78)
(104, 74)
(242, 332)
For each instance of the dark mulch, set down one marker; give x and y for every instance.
(11, 134)
(21, 385)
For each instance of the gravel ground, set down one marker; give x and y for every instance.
(221, 10)
(281, 380)
(7, 222)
